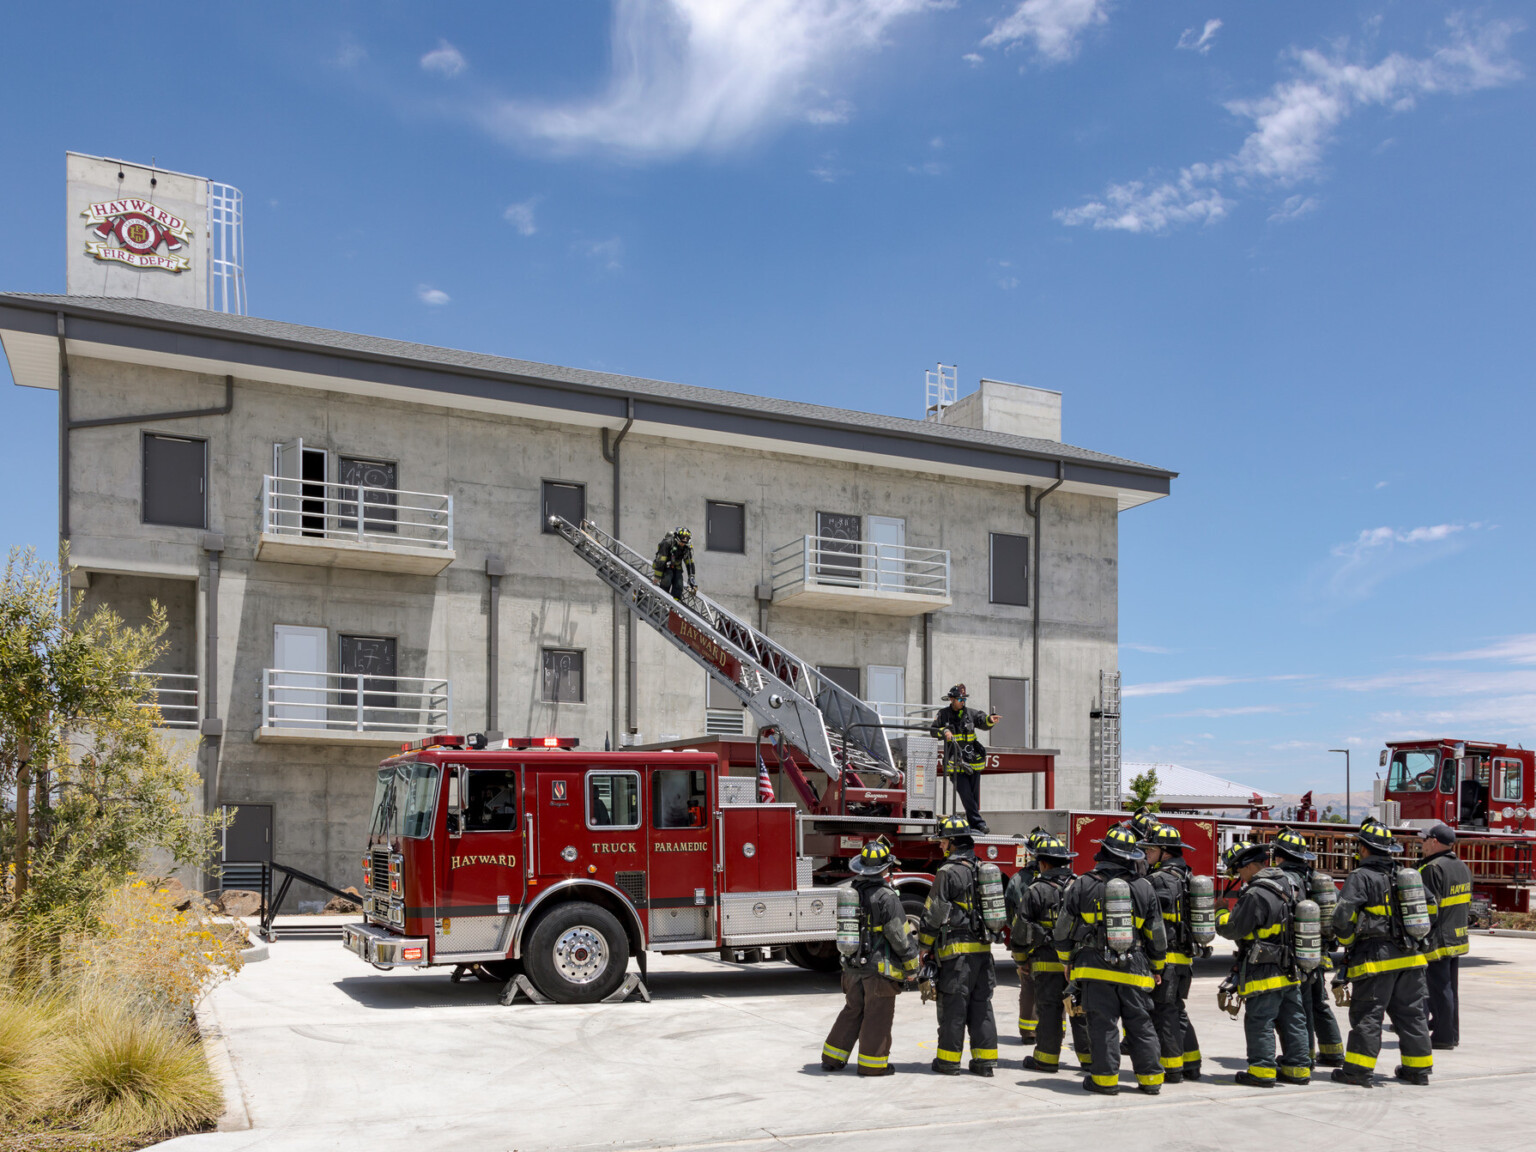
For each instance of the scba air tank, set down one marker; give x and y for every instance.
(1119, 922)
(994, 910)
(1309, 935)
(1411, 902)
(849, 938)
(1324, 892)
(1202, 909)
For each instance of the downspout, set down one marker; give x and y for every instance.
(495, 569)
(623, 691)
(1034, 677)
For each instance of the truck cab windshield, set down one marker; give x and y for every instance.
(1413, 771)
(404, 798)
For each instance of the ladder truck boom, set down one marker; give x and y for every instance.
(833, 728)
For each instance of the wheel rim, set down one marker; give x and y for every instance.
(581, 954)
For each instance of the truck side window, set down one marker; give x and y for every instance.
(1506, 775)
(677, 798)
(613, 800)
(491, 805)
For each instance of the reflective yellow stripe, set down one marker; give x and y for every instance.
(835, 1053)
(1269, 985)
(1085, 1058)
(925, 939)
(1048, 966)
(983, 1053)
(1023, 1023)
(1150, 1078)
(1331, 1049)
(1377, 909)
(1177, 958)
(1464, 898)
(913, 964)
(1111, 976)
(1089, 917)
(1106, 1081)
(1446, 952)
(1433, 909)
(1141, 921)
(962, 947)
(1171, 917)
(1047, 1057)
(1395, 964)
(1064, 957)
(872, 1061)
(1260, 1072)
(1296, 1073)
(1020, 957)
(1360, 1059)
(1157, 965)
(1192, 1057)
(1346, 941)
(949, 1057)
(1418, 1061)
(1176, 1062)
(1272, 930)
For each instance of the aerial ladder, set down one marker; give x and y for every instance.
(836, 731)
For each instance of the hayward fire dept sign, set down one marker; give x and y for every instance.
(133, 232)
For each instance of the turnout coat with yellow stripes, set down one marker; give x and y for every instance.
(1259, 923)
(892, 952)
(1363, 922)
(1038, 904)
(1448, 888)
(1079, 931)
(950, 914)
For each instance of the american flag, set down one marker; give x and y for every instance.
(764, 785)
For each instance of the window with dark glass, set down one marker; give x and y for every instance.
(837, 546)
(677, 798)
(845, 678)
(378, 480)
(564, 676)
(175, 481)
(568, 501)
(1010, 569)
(613, 800)
(367, 662)
(491, 800)
(725, 527)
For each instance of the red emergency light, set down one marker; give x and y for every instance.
(433, 742)
(522, 742)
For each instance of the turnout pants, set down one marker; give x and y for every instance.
(1263, 1014)
(1050, 990)
(1443, 977)
(1108, 1005)
(1027, 1017)
(965, 986)
(869, 1009)
(673, 582)
(968, 789)
(1176, 1039)
(1323, 1036)
(1401, 994)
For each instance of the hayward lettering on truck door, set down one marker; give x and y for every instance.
(483, 859)
(682, 848)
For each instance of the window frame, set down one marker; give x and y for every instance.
(144, 438)
(517, 793)
(544, 509)
(1400, 756)
(992, 590)
(1501, 765)
(544, 654)
(709, 535)
(586, 789)
(656, 813)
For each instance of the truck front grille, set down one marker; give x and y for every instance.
(381, 870)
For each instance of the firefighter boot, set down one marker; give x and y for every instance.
(1249, 1080)
(1092, 1085)
(1419, 1076)
(982, 1068)
(1173, 1075)
(1347, 1075)
(883, 1070)
(1033, 1065)
(944, 1068)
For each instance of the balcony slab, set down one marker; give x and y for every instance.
(330, 553)
(336, 736)
(845, 598)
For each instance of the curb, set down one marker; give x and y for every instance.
(254, 953)
(1519, 932)
(236, 1117)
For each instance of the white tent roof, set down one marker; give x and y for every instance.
(1188, 787)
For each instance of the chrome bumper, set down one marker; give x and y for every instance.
(384, 948)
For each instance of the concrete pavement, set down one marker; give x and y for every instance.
(331, 1054)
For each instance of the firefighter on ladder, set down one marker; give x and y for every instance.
(952, 929)
(1296, 860)
(1448, 888)
(674, 557)
(873, 977)
(964, 757)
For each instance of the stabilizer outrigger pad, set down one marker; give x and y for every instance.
(521, 983)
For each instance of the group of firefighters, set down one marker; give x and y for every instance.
(1111, 953)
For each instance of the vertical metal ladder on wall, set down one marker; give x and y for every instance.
(1104, 746)
(833, 728)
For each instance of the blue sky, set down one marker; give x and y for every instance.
(1283, 248)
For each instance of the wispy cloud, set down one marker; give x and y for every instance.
(691, 75)
(974, 59)
(1357, 567)
(1293, 124)
(608, 254)
(1150, 649)
(1510, 650)
(350, 55)
(1176, 687)
(435, 297)
(1217, 713)
(1294, 208)
(520, 216)
(1052, 29)
(1202, 41)
(445, 60)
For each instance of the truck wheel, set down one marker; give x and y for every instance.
(814, 956)
(913, 907)
(577, 953)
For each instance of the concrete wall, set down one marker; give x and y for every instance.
(493, 467)
(1016, 409)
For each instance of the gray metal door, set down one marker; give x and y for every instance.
(247, 843)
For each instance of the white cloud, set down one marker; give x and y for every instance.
(520, 216)
(693, 75)
(1052, 28)
(1202, 41)
(1296, 120)
(349, 55)
(1510, 650)
(1150, 649)
(1176, 687)
(445, 60)
(435, 297)
(1294, 207)
(974, 59)
(608, 254)
(1357, 567)
(1217, 713)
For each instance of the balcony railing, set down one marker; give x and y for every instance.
(860, 575)
(310, 521)
(343, 702)
(175, 694)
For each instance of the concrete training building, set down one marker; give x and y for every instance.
(216, 464)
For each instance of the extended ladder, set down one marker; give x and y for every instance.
(830, 725)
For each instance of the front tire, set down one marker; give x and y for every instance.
(577, 954)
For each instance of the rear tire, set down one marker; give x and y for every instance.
(814, 956)
(577, 954)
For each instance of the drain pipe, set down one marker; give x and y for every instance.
(495, 569)
(624, 693)
(1033, 512)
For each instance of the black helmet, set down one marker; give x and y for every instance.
(874, 860)
(1377, 837)
(682, 534)
(1291, 845)
(956, 693)
(1142, 823)
(1241, 854)
(954, 828)
(1164, 836)
(1050, 847)
(1119, 841)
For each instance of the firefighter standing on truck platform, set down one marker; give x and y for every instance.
(952, 928)
(874, 976)
(1448, 890)
(1033, 922)
(1383, 965)
(1114, 962)
(1169, 875)
(1327, 1043)
(964, 757)
(1262, 923)
(674, 556)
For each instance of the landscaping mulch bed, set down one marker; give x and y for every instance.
(12, 1140)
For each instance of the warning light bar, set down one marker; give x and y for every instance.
(433, 742)
(522, 742)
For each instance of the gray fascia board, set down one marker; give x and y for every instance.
(148, 334)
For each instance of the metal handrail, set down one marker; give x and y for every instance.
(356, 702)
(175, 697)
(893, 710)
(329, 511)
(825, 561)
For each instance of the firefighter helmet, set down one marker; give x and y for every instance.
(874, 860)
(682, 534)
(1052, 848)
(1377, 837)
(1290, 844)
(956, 693)
(1166, 837)
(954, 828)
(1120, 842)
(1241, 854)
(1142, 823)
